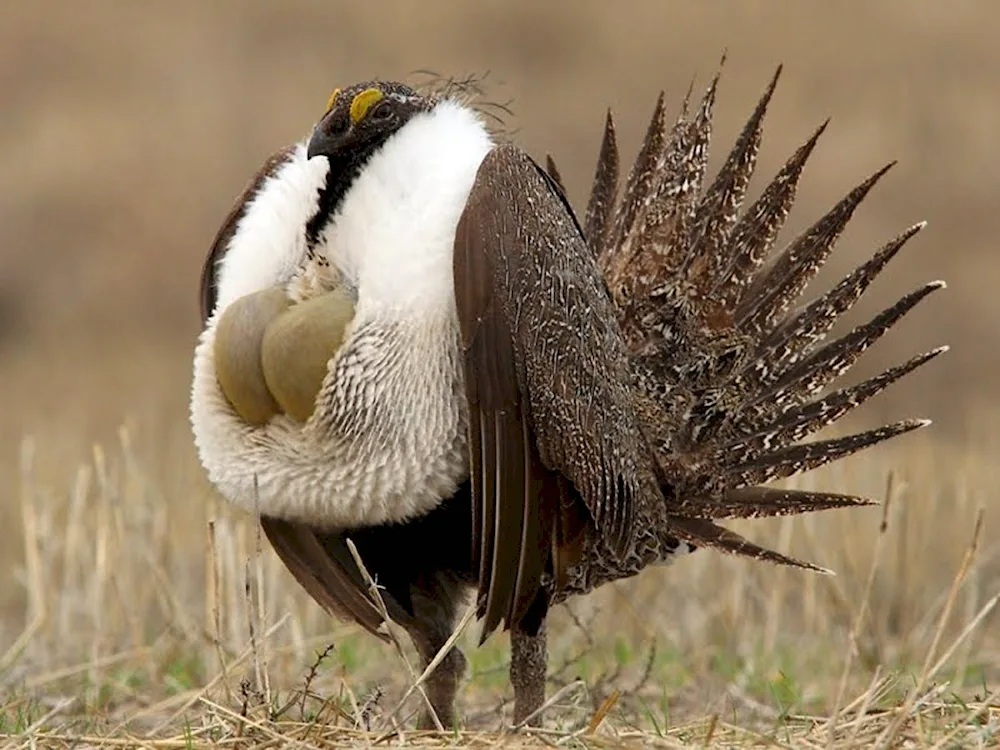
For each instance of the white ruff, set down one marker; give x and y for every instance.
(387, 441)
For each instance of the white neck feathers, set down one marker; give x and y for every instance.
(269, 244)
(394, 231)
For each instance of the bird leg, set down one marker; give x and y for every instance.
(442, 684)
(430, 629)
(528, 666)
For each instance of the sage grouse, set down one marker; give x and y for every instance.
(411, 341)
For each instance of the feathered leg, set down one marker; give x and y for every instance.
(434, 610)
(528, 665)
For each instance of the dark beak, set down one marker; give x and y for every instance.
(320, 144)
(323, 142)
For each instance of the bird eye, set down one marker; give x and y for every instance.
(381, 111)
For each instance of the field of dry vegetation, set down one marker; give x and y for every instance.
(137, 610)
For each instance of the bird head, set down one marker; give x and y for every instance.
(361, 118)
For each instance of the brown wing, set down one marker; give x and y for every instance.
(546, 378)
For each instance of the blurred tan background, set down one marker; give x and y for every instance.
(128, 128)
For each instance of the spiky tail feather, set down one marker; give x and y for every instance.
(730, 373)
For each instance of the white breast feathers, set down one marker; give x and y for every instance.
(387, 441)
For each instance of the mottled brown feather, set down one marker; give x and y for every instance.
(764, 502)
(618, 252)
(704, 533)
(601, 204)
(807, 327)
(756, 231)
(718, 210)
(801, 421)
(773, 289)
(807, 376)
(517, 249)
(802, 457)
(499, 444)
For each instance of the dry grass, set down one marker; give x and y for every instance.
(160, 619)
(137, 610)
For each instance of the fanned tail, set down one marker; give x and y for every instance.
(809, 326)
(773, 290)
(798, 423)
(730, 372)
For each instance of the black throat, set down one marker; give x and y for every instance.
(344, 169)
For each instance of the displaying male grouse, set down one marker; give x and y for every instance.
(411, 341)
